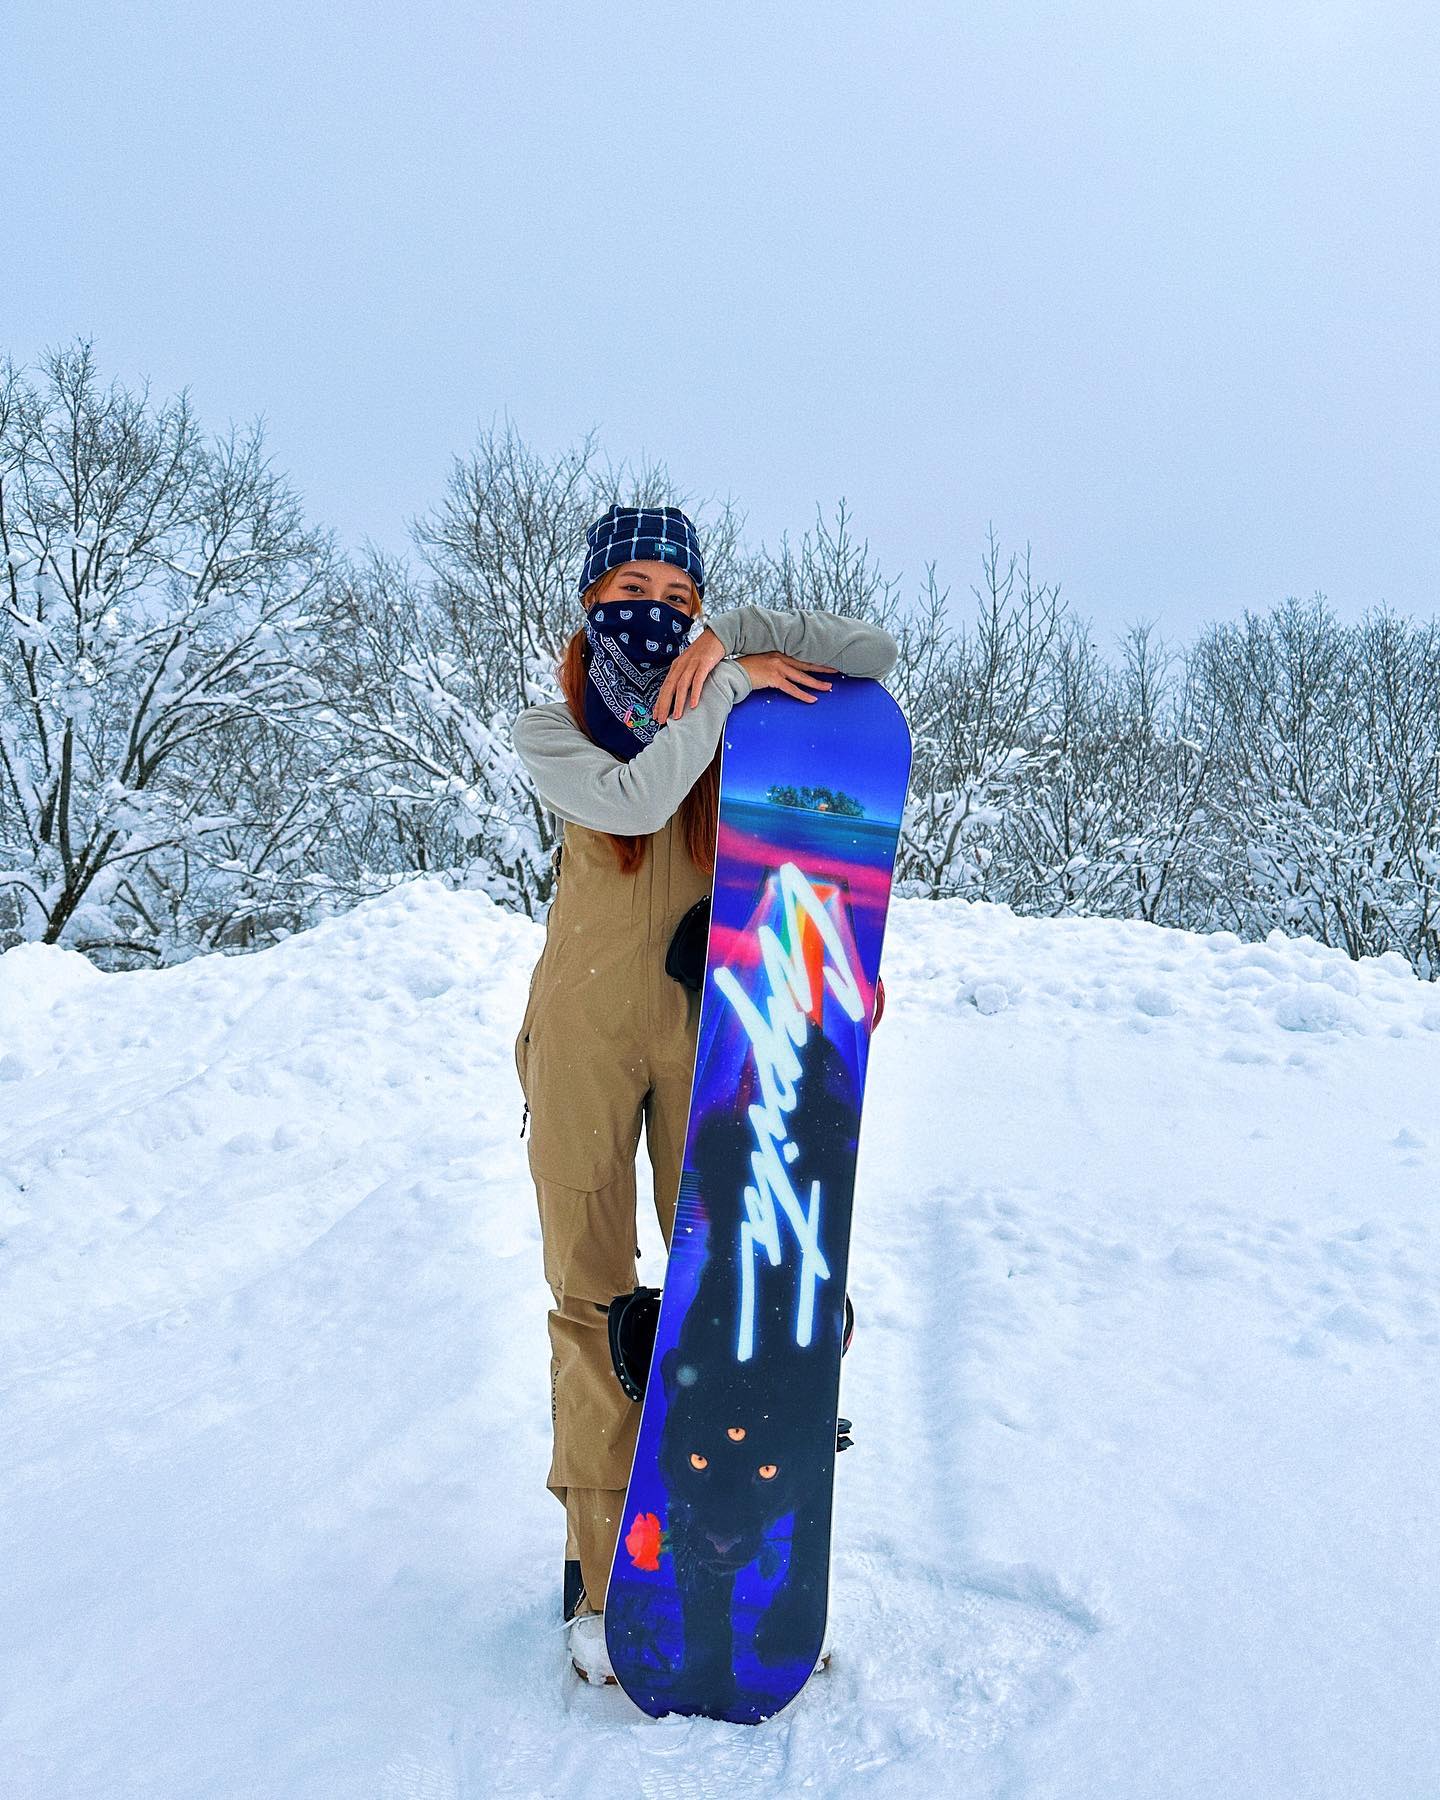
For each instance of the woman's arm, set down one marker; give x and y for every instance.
(853, 646)
(581, 781)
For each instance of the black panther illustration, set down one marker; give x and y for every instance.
(746, 1442)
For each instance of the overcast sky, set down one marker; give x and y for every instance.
(1153, 287)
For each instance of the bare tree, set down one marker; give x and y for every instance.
(1060, 849)
(213, 727)
(153, 586)
(1393, 786)
(972, 700)
(438, 669)
(1137, 776)
(830, 571)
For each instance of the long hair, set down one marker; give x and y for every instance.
(700, 809)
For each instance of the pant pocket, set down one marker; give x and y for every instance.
(585, 1097)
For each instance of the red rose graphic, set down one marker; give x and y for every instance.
(643, 1541)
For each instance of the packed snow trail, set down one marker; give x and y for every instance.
(1146, 1264)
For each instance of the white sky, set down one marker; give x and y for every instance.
(1154, 288)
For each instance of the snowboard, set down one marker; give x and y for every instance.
(719, 1588)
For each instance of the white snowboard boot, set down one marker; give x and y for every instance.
(587, 1649)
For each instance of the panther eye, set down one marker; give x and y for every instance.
(697, 1461)
(735, 1433)
(768, 1471)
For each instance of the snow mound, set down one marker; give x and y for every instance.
(1146, 1263)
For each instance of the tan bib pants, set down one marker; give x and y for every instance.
(608, 1040)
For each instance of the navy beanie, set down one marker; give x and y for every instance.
(642, 534)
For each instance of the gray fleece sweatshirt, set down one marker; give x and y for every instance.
(581, 781)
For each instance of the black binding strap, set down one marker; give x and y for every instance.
(685, 957)
(632, 1319)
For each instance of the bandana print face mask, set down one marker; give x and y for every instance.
(632, 645)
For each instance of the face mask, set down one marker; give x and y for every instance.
(644, 632)
(632, 645)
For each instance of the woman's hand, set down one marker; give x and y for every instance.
(766, 668)
(773, 668)
(686, 675)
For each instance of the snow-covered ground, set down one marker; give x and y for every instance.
(1143, 1499)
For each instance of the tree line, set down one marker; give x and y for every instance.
(217, 725)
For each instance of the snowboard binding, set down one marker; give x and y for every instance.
(631, 1320)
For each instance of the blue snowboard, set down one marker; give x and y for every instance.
(718, 1593)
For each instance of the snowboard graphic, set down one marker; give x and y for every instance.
(719, 1588)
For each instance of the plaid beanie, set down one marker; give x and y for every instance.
(642, 534)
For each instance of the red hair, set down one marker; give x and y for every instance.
(700, 809)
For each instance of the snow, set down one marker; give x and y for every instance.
(1144, 1380)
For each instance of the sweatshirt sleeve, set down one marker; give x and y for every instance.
(583, 782)
(853, 646)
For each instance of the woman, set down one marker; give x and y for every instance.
(629, 760)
